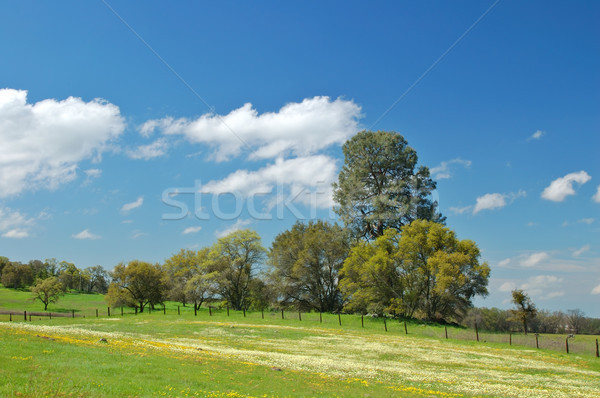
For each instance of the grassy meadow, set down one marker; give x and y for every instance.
(236, 356)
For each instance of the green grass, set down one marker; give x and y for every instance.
(234, 356)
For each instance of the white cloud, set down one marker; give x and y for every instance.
(300, 129)
(460, 210)
(596, 197)
(85, 234)
(581, 250)
(586, 221)
(507, 287)
(191, 230)
(239, 224)
(596, 290)
(491, 201)
(534, 259)
(562, 187)
(43, 143)
(537, 135)
(93, 173)
(538, 285)
(138, 234)
(156, 149)
(127, 222)
(443, 170)
(133, 205)
(504, 262)
(14, 224)
(311, 176)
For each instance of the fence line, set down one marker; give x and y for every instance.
(568, 344)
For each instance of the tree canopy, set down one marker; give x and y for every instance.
(424, 271)
(525, 310)
(306, 261)
(380, 185)
(47, 291)
(137, 284)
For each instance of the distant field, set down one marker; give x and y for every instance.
(236, 356)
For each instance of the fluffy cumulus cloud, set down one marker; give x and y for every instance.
(596, 290)
(14, 224)
(491, 201)
(311, 175)
(443, 170)
(154, 150)
(86, 234)
(127, 207)
(581, 250)
(43, 143)
(533, 259)
(299, 129)
(562, 187)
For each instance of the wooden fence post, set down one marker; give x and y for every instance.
(282, 313)
(227, 309)
(537, 344)
(405, 328)
(567, 344)
(49, 315)
(362, 321)
(108, 311)
(340, 318)
(73, 313)
(164, 310)
(510, 339)
(476, 331)
(209, 311)
(121, 310)
(299, 316)
(384, 324)
(178, 311)
(262, 313)
(25, 315)
(196, 310)
(29, 317)
(597, 352)
(320, 317)
(244, 311)
(10, 319)
(96, 312)
(136, 309)
(446, 330)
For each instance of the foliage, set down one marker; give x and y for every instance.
(426, 271)
(47, 291)
(525, 310)
(96, 279)
(306, 261)
(234, 259)
(380, 186)
(17, 275)
(136, 284)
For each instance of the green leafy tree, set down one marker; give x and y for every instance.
(306, 261)
(95, 279)
(70, 276)
(180, 268)
(137, 284)
(16, 275)
(235, 258)
(47, 291)
(380, 186)
(201, 279)
(425, 271)
(525, 310)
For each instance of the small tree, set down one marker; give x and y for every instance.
(525, 310)
(47, 291)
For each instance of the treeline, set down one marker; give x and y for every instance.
(423, 272)
(16, 275)
(497, 320)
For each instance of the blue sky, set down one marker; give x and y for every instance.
(113, 114)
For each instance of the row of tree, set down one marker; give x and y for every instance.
(421, 271)
(14, 274)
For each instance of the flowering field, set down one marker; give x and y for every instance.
(183, 356)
